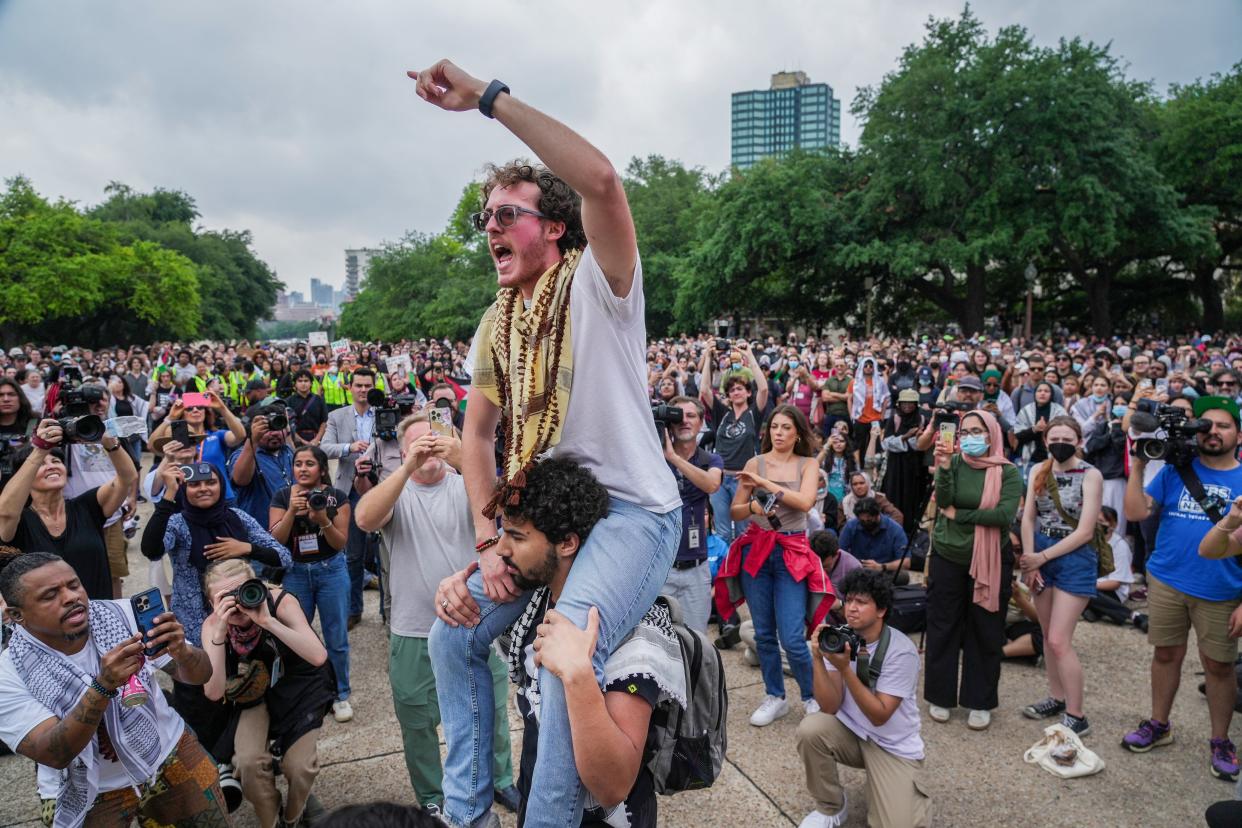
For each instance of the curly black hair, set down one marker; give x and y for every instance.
(870, 582)
(557, 200)
(561, 498)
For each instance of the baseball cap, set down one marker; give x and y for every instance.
(15, 351)
(1215, 402)
(971, 382)
(908, 395)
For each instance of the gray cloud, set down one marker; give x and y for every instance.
(295, 120)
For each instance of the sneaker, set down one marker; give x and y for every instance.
(508, 798)
(818, 819)
(750, 657)
(938, 713)
(979, 719)
(1077, 724)
(1140, 621)
(772, 709)
(1224, 760)
(1045, 709)
(730, 636)
(229, 786)
(342, 711)
(313, 812)
(812, 706)
(1149, 734)
(433, 810)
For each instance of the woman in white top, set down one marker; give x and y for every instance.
(35, 390)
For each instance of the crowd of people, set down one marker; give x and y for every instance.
(580, 496)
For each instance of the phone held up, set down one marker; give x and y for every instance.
(148, 606)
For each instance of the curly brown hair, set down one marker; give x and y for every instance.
(558, 201)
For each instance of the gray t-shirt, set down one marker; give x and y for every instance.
(430, 536)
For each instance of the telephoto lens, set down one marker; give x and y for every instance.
(252, 594)
(85, 429)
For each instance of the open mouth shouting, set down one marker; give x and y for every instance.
(502, 255)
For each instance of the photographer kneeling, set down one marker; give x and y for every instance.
(869, 713)
(267, 661)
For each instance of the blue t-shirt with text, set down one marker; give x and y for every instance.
(1175, 559)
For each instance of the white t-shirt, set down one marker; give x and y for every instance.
(608, 427)
(90, 467)
(430, 536)
(20, 713)
(899, 676)
(37, 396)
(1122, 559)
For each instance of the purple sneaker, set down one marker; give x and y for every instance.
(1224, 760)
(1149, 734)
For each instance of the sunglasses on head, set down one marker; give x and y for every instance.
(506, 216)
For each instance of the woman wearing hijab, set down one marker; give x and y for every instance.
(1032, 424)
(906, 480)
(970, 570)
(194, 525)
(869, 402)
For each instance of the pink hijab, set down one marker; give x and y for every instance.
(985, 564)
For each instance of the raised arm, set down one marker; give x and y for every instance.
(605, 211)
(705, 383)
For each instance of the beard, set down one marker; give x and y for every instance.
(540, 575)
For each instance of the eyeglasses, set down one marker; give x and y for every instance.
(195, 408)
(1227, 384)
(506, 216)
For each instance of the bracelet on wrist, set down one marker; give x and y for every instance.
(39, 443)
(486, 544)
(99, 688)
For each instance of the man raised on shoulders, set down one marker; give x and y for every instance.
(561, 357)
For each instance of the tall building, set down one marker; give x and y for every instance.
(356, 262)
(321, 293)
(768, 123)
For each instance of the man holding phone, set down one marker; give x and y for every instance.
(60, 679)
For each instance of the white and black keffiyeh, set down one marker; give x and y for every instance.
(652, 650)
(58, 684)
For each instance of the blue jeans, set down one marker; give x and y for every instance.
(325, 584)
(778, 610)
(726, 528)
(357, 551)
(619, 570)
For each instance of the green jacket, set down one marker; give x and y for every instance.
(961, 487)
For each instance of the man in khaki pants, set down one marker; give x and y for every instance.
(869, 716)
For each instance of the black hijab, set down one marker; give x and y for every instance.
(206, 525)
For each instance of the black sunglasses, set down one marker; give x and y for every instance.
(506, 216)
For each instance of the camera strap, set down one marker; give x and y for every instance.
(870, 664)
(1194, 486)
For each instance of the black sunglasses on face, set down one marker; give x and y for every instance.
(506, 216)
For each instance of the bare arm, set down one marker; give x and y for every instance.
(761, 382)
(705, 386)
(1137, 504)
(17, 491)
(605, 211)
(113, 493)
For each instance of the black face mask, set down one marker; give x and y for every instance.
(1062, 452)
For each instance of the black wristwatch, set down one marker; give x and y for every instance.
(488, 98)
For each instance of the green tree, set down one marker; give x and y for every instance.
(666, 200)
(69, 277)
(1199, 151)
(238, 289)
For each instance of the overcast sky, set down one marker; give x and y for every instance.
(296, 120)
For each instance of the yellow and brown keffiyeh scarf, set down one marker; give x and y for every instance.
(526, 368)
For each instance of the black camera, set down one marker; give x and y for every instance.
(376, 398)
(949, 411)
(1179, 446)
(76, 422)
(251, 594)
(277, 416)
(666, 415)
(722, 345)
(317, 500)
(768, 502)
(833, 639)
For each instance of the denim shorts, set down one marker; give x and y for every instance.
(1075, 572)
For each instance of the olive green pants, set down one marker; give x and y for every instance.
(418, 711)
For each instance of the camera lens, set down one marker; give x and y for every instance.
(277, 422)
(252, 593)
(831, 640)
(375, 397)
(317, 500)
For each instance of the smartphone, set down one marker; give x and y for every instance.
(180, 432)
(1144, 383)
(1162, 384)
(722, 345)
(148, 606)
(948, 435)
(441, 420)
